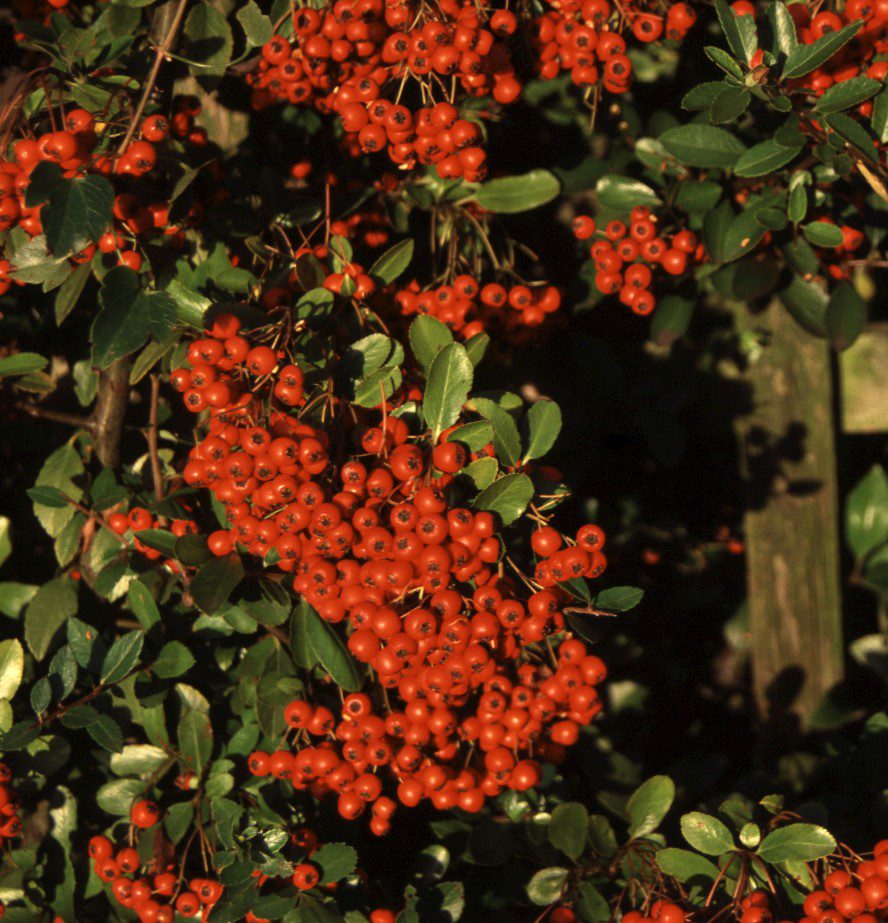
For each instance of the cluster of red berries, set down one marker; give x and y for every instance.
(456, 732)
(468, 308)
(10, 823)
(138, 213)
(375, 544)
(585, 38)
(857, 891)
(352, 56)
(156, 897)
(627, 256)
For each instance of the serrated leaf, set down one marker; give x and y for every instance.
(54, 603)
(508, 497)
(805, 58)
(740, 31)
(685, 865)
(258, 28)
(567, 828)
(702, 95)
(143, 605)
(195, 737)
(706, 833)
(122, 656)
(698, 145)
(506, 440)
(846, 94)
(428, 336)
(327, 648)
(782, 28)
(796, 842)
(173, 660)
(765, 157)
(618, 598)
(622, 193)
(546, 885)
(447, 388)
(105, 731)
(542, 424)
(336, 861)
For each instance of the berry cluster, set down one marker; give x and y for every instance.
(376, 543)
(153, 896)
(10, 823)
(626, 257)
(584, 39)
(857, 891)
(137, 520)
(468, 308)
(80, 148)
(351, 57)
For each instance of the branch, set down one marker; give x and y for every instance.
(110, 411)
(153, 449)
(159, 54)
(56, 416)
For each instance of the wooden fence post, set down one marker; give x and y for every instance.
(792, 530)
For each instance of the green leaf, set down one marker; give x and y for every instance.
(393, 263)
(327, 648)
(621, 193)
(591, 905)
(143, 605)
(649, 804)
(336, 861)
(783, 29)
(618, 598)
(482, 472)
(506, 441)
(21, 364)
(698, 145)
(806, 302)
(54, 603)
(845, 315)
(19, 736)
(160, 540)
(805, 58)
(541, 428)
(853, 133)
(138, 760)
(215, 582)
(12, 665)
(195, 736)
(69, 292)
(567, 828)
(847, 94)
(208, 38)
(671, 319)
(117, 797)
(702, 96)
(511, 194)
(879, 118)
(866, 513)
(765, 158)
(546, 886)
(258, 28)
(48, 496)
(722, 59)
(447, 388)
(76, 211)
(706, 833)
(428, 336)
(173, 660)
(122, 657)
(685, 865)
(129, 314)
(602, 836)
(740, 31)
(823, 234)
(507, 497)
(105, 731)
(796, 842)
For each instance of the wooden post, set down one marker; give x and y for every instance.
(787, 441)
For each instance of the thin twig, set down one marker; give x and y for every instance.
(159, 55)
(153, 449)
